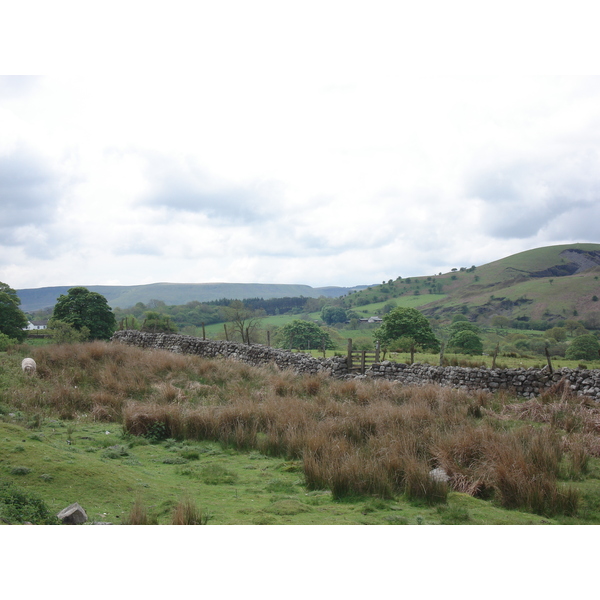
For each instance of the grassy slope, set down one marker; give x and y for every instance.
(506, 278)
(265, 490)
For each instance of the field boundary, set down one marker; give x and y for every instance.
(527, 383)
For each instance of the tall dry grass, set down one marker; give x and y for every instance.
(354, 437)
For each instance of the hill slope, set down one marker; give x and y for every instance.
(550, 283)
(125, 296)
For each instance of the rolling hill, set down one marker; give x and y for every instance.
(125, 296)
(551, 283)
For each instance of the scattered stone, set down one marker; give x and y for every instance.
(72, 515)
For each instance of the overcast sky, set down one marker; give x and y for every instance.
(324, 143)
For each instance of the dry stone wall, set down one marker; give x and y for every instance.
(254, 354)
(528, 383)
(524, 382)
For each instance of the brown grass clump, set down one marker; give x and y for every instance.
(187, 513)
(138, 515)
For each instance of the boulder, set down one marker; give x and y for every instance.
(72, 515)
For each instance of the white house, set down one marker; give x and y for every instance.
(32, 325)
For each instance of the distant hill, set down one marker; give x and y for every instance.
(124, 296)
(551, 283)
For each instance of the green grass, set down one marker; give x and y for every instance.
(244, 488)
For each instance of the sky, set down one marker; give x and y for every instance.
(321, 143)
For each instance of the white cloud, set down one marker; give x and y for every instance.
(323, 143)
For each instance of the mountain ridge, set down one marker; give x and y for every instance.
(126, 296)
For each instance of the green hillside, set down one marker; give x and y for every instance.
(553, 283)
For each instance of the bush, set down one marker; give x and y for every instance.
(584, 347)
(6, 342)
(20, 506)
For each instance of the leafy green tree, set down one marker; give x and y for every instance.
(157, 323)
(583, 347)
(465, 342)
(500, 321)
(82, 308)
(463, 326)
(303, 335)
(406, 322)
(333, 314)
(558, 334)
(12, 318)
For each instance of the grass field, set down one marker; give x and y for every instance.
(125, 431)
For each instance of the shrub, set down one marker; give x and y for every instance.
(20, 506)
(6, 342)
(583, 347)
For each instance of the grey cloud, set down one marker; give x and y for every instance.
(524, 199)
(29, 192)
(187, 188)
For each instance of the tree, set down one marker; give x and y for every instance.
(465, 342)
(584, 347)
(333, 314)
(82, 308)
(157, 323)
(500, 321)
(303, 335)
(463, 326)
(12, 318)
(406, 323)
(244, 320)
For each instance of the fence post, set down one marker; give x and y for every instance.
(377, 348)
(349, 361)
(548, 359)
(226, 336)
(363, 362)
(268, 338)
(203, 332)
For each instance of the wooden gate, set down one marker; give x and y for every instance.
(359, 360)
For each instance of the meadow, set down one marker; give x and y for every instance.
(136, 435)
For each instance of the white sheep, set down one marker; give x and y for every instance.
(28, 365)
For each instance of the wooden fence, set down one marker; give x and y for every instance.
(359, 360)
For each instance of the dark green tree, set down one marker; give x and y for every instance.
(463, 326)
(333, 314)
(157, 323)
(583, 347)
(303, 335)
(12, 318)
(82, 308)
(465, 342)
(406, 323)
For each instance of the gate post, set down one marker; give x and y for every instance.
(349, 354)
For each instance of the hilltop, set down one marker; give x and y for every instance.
(551, 283)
